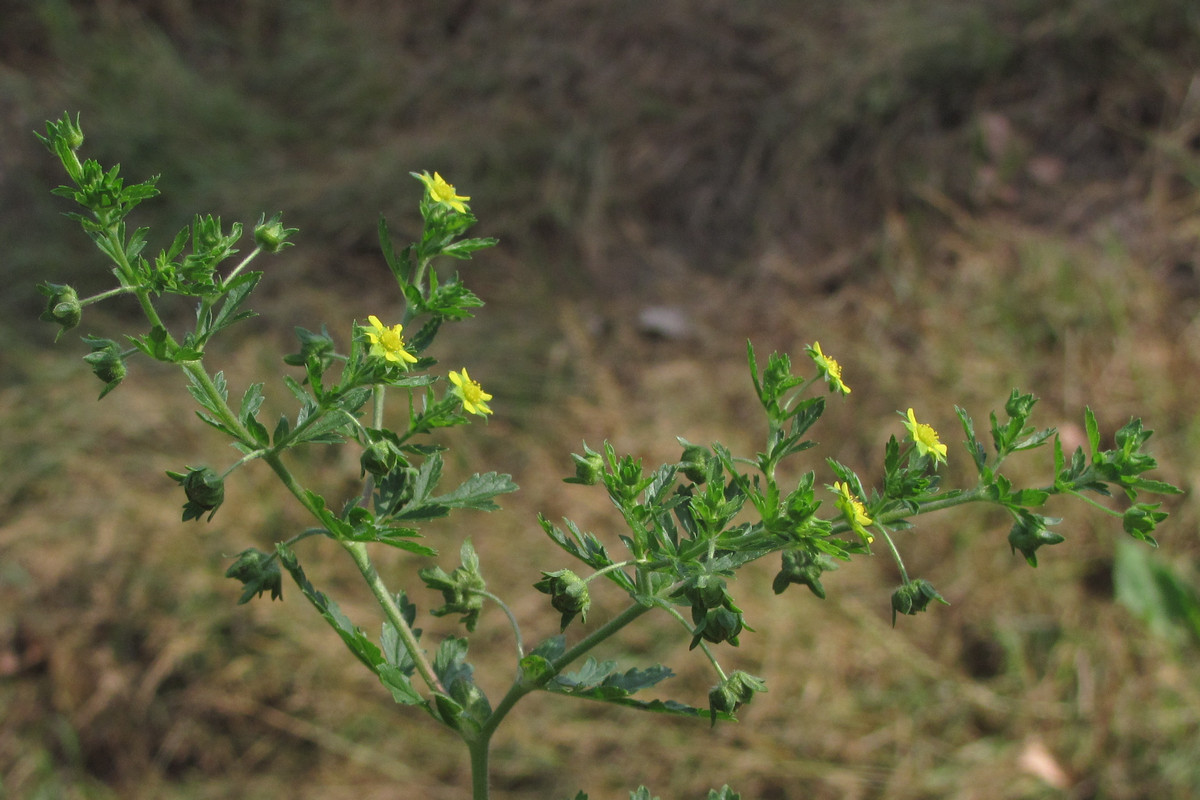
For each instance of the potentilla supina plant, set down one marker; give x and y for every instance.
(689, 526)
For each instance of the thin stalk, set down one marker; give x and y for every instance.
(96, 298)
(358, 551)
(512, 620)
(249, 257)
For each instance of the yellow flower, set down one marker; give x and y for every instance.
(852, 509)
(829, 368)
(442, 192)
(925, 438)
(474, 398)
(387, 343)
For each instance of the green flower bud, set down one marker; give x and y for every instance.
(107, 360)
(1019, 406)
(270, 235)
(704, 592)
(716, 625)
(205, 491)
(259, 572)
(733, 692)
(802, 567)
(694, 463)
(1140, 521)
(462, 590)
(1029, 533)
(568, 594)
(589, 467)
(62, 306)
(914, 597)
(381, 457)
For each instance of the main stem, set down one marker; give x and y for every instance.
(358, 551)
(480, 745)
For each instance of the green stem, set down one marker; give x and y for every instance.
(480, 744)
(512, 620)
(105, 295)
(196, 370)
(895, 553)
(703, 645)
(249, 257)
(1092, 502)
(480, 771)
(520, 688)
(358, 551)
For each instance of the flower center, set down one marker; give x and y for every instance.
(472, 392)
(391, 340)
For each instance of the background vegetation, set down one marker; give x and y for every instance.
(954, 198)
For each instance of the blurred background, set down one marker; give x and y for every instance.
(954, 198)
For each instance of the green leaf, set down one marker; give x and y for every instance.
(400, 685)
(354, 637)
(464, 248)
(236, 293)
(420, 506)
(477, 492)
(601, 681)
(1093, 431)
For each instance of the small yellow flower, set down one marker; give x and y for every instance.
(442, 192)
(387, 343)
(474, 398)
(852, 509)
(829, 368)
(925, 438)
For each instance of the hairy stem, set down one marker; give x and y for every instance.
(358, 551)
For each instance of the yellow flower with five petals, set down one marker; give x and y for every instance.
(925, 438)
(442, 192)
(474, 398)
(853, 511)
(829, 369)
(388, 343)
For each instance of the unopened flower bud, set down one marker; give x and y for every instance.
(1140, 520)
(380, 458)
(270, 235)
(694, 463)
(914, 597)
(258, 572)
(1029, 533)
(804, 567)
(733, 692)
(716, 625)
(589, 467)
(568, 594)
(62, 306)
(107, 360)
(205, 491)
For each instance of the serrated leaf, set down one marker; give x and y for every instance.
(354, 637)
(400, 685)
(1093, 431)
(464, 248)
(477, 492)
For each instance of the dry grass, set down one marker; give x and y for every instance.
(1025, 227)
